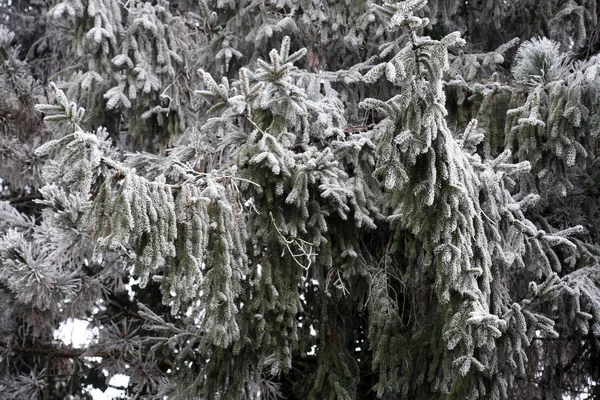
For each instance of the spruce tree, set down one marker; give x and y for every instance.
(280, 199)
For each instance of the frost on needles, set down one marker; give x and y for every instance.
(244, 210)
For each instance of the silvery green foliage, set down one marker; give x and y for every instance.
(29, 273)
(553, 127)
(539, 61)
(127, 57)
(130, 210)
(298, 183)
(40, 261)
(22, 386)
(463, 245)
(307, 199)
(568, 22)
(21, 91)
(97, 26)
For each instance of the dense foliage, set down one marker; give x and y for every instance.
(301, 199)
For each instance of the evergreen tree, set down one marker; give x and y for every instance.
(280, 199)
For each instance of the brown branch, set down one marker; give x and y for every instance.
(25, 199)
(249, 119)
(69, 352)
(359, 128)
(65, 352)
(123, 307)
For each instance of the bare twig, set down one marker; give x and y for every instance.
(303, 246)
